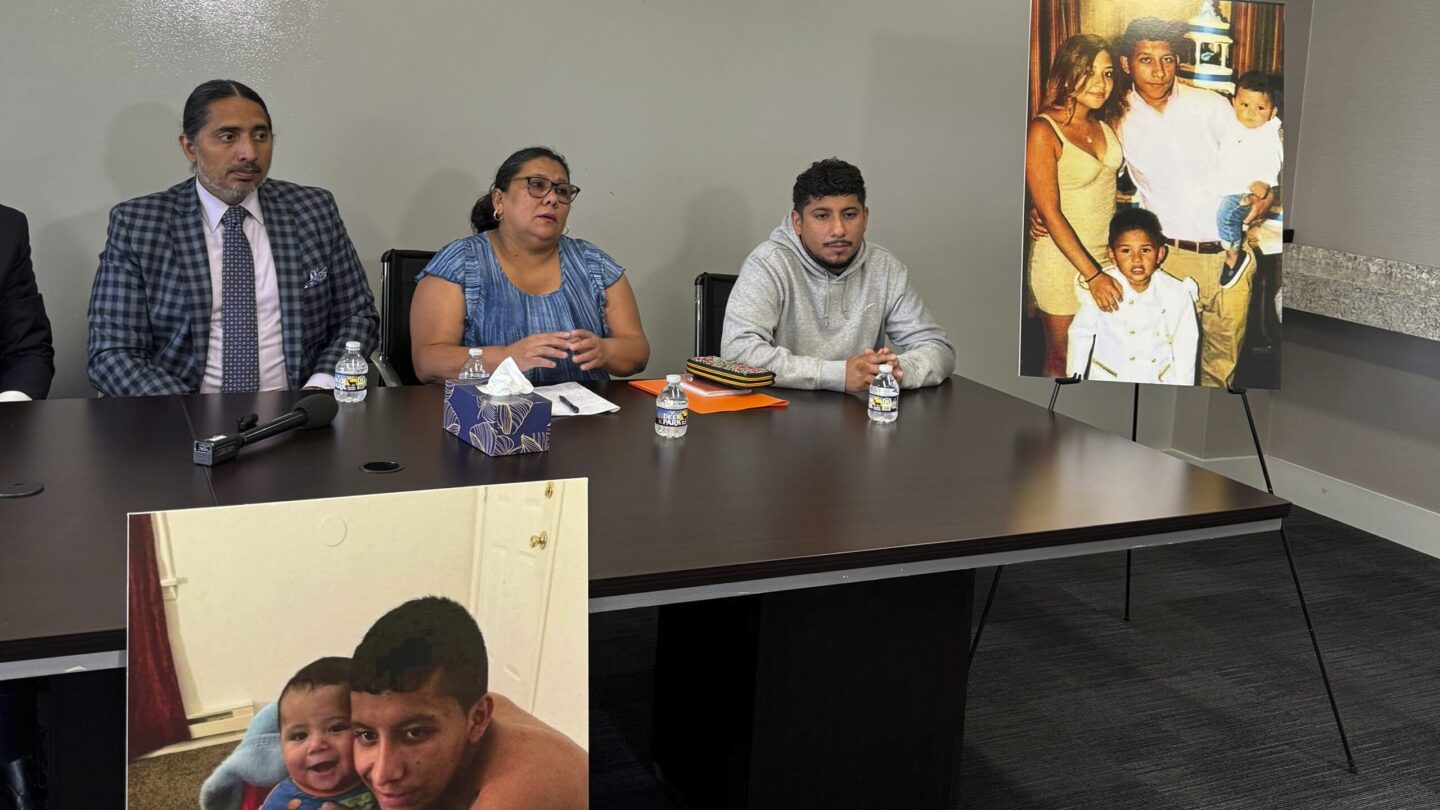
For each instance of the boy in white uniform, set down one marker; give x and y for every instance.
(1250, 157)
(1152, 337)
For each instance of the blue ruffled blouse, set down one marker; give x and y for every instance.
(497, 313)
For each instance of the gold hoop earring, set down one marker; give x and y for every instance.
(498, 215)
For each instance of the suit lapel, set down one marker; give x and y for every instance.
(284, 233)
(192, 262)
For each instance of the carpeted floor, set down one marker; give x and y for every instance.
(172, 781)
(1209, 697)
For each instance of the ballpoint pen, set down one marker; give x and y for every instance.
(568, 403)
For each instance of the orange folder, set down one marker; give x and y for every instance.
(743, 402)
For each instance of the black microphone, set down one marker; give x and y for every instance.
(314, 411)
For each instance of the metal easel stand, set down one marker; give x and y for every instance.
(1299, 593)
(1284, 541)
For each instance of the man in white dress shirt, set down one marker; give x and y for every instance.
(1171, 135)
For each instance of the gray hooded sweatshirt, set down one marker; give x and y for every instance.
(789, 314)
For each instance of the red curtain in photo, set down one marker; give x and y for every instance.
(1051, 23)
(157, 715)
(1259, 33)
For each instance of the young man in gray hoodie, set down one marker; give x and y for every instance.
(815, 302)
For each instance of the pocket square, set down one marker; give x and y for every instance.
(317, 275)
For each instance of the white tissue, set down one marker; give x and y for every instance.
(507, 381)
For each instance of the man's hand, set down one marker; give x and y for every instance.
(1106, 291)
(861, 369)
(587, 350)
(540, 350)
(1260, 206)
(1038, 230)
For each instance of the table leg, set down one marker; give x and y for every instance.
(842, 696)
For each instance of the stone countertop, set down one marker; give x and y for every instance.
(1382, 293)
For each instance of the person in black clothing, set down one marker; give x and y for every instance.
(27, 359)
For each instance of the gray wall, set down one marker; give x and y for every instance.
(1360, 404)
(685, 122)
(1368, 173)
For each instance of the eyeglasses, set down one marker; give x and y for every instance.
(539, 187)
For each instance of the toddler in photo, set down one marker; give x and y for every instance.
(1152, 337)
(1250, 157)
(317, 741)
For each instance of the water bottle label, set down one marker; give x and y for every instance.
(351, 382)
(883, 404)
(671, 417)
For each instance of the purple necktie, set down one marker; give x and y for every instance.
(240, 357)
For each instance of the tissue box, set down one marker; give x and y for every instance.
(500, 426)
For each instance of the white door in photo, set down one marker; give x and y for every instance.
(518, 545)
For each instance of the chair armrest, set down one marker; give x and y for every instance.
(388, 376)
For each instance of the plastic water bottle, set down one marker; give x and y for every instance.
(884, 396)
(672, 409)
(350, 380)
(474, 368)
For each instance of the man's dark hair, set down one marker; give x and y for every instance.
(1154, 29)
(329, 671)
(423, 638)
(1260, 82)
(831, 177)
(1135, 219)
(197, 106)
(482, 216)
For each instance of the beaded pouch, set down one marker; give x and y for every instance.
(727, 372)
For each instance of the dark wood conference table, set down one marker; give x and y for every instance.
(815, 571)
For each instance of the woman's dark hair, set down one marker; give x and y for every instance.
(197, 106)
(482, 216)
(831, 177)
(1071, 69)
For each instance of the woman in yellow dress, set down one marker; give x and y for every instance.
(1071, 159)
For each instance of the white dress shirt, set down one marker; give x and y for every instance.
(1174, 159)
(268, 327)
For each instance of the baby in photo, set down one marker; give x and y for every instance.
(1250, 158)
(1152, 337)
(317, 741)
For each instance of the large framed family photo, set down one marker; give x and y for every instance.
(1154, 202)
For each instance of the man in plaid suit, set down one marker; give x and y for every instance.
(228, 282)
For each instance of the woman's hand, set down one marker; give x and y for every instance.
(588, 350)
(1105, 290)
(540, 350)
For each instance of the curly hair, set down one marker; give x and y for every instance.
(831, 177)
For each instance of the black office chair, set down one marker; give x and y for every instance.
(712, 292)
(398, 269)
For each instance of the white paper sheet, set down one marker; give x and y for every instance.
(588, 402)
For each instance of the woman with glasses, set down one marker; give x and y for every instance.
(520, 288)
